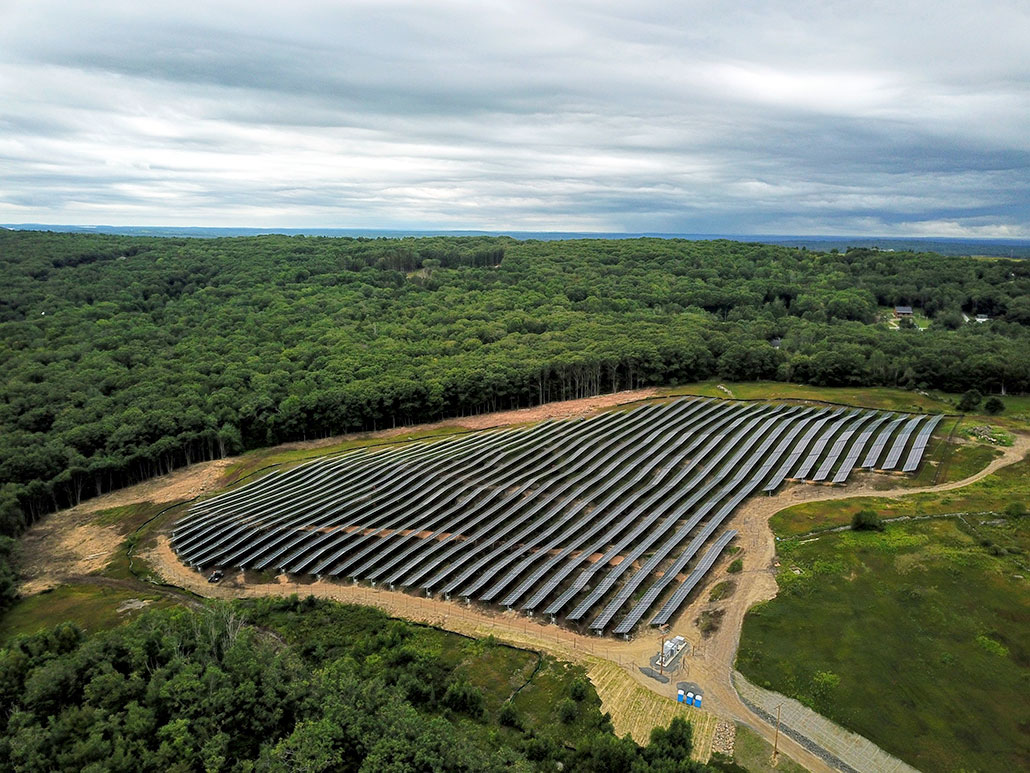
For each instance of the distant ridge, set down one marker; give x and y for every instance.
(1014, 248)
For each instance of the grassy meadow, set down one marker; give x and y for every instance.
(994, 493)
(91, 607)
(917, 637)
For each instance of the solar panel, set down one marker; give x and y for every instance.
(919, 446)
(514, 514)
(741, 444)
(839, 445)
(704, 565)
(899, 444)
(856, 450)
(742, 464)
(820, 444)
(881, 441)
(801, 448)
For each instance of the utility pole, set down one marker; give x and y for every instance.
(776, 739)
(661, 657)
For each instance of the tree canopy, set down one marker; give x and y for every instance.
(288, 685)
(125, 357)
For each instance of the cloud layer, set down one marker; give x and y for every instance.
(810, 117)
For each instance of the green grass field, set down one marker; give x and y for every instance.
(962, 462)
(90, 607)
(992, 494)
(881, 398)
(753, 752)
(918, 638)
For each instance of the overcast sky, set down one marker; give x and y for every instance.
(906, 117)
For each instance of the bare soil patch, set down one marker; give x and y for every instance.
(185, 483)
(62, 547)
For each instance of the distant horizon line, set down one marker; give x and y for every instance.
(303, 230)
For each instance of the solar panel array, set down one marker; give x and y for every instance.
(595, 520)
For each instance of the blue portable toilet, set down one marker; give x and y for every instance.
(679, 696)
(690, 698)
(697, 701)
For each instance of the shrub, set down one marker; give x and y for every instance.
(969, 401)
(579, 689)
(463, 697)
(992, 646)
(708, 622)
(1015, 510)
(509, 717)
(722, 590)
(673, 743)
(567, 711)
(736, 566)
(866, 520)
(994, 406)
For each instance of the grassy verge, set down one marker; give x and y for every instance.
(963, 461)
(252, 461)
(753, 752)
(135, 522)
(879, 397)
(92, 608)
(992, 494)
(918, 638)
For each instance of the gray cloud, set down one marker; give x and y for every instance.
(887, 118)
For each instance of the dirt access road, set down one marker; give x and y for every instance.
(613, 665)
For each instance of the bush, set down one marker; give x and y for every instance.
(463, 697)
(579, 689)
(673, 743)
(994, 406)
(1015, 510)
(736, 566)
(866, 520)
(969, 401)
(567, 711)
(509, 717)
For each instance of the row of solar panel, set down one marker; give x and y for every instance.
(462, 510)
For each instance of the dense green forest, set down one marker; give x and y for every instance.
(125, 357)
(305, 685)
